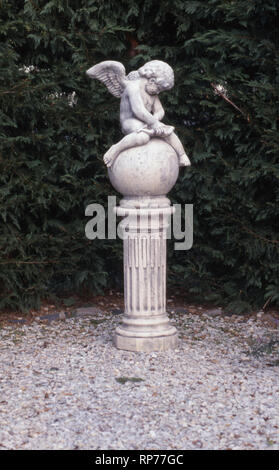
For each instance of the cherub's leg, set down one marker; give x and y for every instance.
(131, 140)
(175, 142)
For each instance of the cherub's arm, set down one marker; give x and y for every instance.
(137, 106)
(158, 109)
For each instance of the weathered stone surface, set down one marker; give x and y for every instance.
(144, 175)
(145, 326)
(143, 166)
(141, 111)
(161, 343)
(149, 170)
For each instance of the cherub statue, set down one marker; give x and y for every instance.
(141, 111)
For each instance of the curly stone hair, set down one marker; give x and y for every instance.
(159, 70)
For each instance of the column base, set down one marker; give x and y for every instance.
(146, 344)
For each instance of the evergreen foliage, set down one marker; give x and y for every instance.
(52, 142)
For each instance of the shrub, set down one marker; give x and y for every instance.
(224, 107)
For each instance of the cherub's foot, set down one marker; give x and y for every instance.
(110, 156)
(166, 131)
(184, 160)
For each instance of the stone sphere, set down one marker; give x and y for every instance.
(148, 170)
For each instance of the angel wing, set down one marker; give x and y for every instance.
(112, 74)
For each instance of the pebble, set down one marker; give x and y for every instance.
(214, 312)
(216, 390)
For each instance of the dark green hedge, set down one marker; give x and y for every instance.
(51, 151)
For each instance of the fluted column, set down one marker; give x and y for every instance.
(145, 325)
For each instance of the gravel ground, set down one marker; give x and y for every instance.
(65, 386)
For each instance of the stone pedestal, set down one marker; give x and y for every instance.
(145, 324)
(144, 175)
